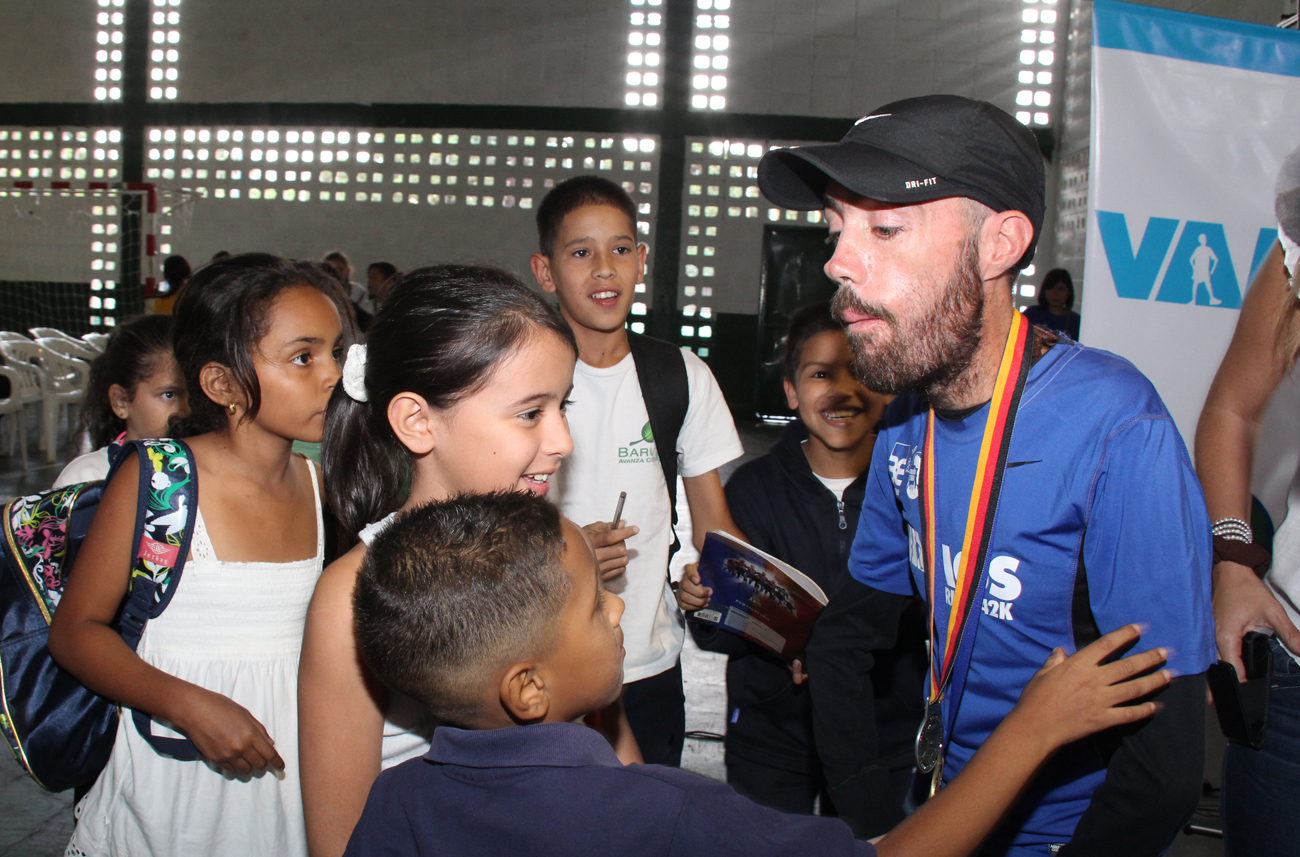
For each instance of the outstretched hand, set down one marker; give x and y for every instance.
(610, 542)
(1068, 699)
(1071, 698)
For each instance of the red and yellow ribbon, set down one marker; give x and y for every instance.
(1012, 372)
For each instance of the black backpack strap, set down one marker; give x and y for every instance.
(661, 372)
(166, 506)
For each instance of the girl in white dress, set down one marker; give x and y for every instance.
(461, 387)
(257, 340)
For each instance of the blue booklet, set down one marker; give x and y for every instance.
(757, 595)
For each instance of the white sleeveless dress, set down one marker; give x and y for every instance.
(408, 724)
(234, 628)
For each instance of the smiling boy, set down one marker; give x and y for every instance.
(590, 259)
(490, 610)
(847, 734)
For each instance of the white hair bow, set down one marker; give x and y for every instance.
(354, 373)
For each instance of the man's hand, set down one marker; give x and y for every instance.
(1070, 698)
(1242, 603)
(610, 542)
(692, 594)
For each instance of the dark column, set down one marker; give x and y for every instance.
(679, 18)
(135, 86)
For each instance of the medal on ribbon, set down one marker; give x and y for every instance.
(1008, 388)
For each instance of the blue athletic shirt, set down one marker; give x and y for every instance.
(1097, 476)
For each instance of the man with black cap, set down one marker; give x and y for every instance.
(1035, 491)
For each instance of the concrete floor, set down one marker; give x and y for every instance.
(36, 823)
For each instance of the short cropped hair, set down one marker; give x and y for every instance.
(807, 322)
(451, 592)
(176, 270)
(388, 269)
(568, 196)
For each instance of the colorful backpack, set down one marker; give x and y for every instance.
(59, 730)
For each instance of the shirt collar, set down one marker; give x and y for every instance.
(551, 745)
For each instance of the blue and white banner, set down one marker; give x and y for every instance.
(1191, 118)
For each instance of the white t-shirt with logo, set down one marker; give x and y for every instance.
(613, 451)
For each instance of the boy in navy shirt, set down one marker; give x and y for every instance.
(489, 609)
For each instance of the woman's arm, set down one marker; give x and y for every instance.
(1225, 441)
(340, 714)
(84, 642)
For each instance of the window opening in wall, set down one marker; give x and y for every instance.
(109, 20)
(716, 170)
(710, 58)
(60, 154)
(164, 49)
(297, 165)
(1038, 20)
(645, 55)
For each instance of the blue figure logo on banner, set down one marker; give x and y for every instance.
(1199, 271)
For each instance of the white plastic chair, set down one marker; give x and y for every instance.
(97, 341)
(51, 332)
(74, 348)
(68, 379)
(13, 336)
(62, 381)
(31, 384)
(13, 405)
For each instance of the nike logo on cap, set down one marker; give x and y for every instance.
(872, 116)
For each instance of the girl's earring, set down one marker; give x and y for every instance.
(232, 408)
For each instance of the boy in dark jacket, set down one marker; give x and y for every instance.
(847, 733)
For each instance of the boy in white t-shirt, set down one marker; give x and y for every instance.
(592, 262)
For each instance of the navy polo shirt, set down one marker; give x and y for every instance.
(558, 788)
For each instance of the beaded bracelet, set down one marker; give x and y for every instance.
(1234, 529)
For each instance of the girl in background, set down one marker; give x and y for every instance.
(461, 387)
(135, 388)
(257, 339)
(1055, 307)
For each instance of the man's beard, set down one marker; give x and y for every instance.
(926, 354)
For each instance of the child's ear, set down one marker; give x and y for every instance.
(641, 252)
(412, 421)
(791, 396)
(541, 266)
(217, 385)
(524, 694)
(118, 401)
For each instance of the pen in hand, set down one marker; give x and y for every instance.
(618, 510)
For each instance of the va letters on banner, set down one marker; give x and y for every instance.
(1194, 257)
(1191, 117)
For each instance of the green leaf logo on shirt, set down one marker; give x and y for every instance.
(646, 454)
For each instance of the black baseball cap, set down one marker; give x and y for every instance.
(916, 150)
